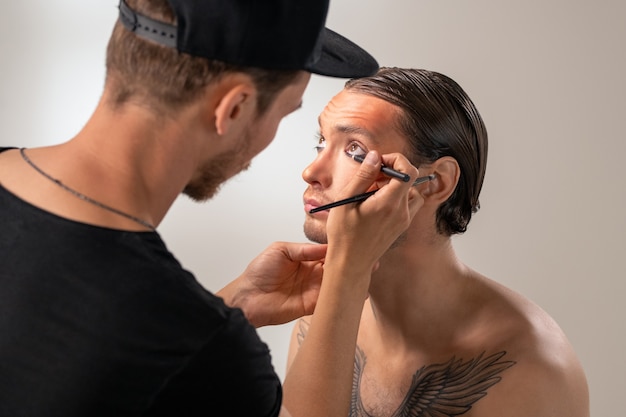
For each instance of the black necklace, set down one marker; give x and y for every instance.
(84, 197)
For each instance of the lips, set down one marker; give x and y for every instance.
(311, 203)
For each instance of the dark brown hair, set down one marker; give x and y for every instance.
(438, 119)
(165, 79)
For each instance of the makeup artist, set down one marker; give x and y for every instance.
(97, 318)
(436, 338)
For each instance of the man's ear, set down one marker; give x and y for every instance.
(237, 103)
(447, 173)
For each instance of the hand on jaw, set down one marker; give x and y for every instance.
(361, 233)
(358, 235)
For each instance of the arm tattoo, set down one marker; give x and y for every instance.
(440, 390)
(303, 329)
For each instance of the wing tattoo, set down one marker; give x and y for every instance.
(450, 389)
(356, 406)
(440, 390)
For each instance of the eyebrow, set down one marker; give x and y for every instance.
(353, 130)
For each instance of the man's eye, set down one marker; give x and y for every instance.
(355, 149)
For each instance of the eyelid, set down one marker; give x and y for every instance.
(321, 145)
(359, 145)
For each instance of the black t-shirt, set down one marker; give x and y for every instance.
(102, 322)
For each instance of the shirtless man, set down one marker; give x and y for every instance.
(436, 338)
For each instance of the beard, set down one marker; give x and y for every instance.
(215, 172)
(315, 231)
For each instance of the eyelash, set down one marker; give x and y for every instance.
(353, 153)
(320, 139)
(349, 151)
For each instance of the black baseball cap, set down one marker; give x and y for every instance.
(271, 34)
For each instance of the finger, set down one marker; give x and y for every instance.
(303, 251)
(416, 201)
(400, 163)
(397, 189)
(366, 176)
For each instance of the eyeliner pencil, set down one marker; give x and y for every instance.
(365, 196)
(386, 170)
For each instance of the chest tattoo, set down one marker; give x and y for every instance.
(438, 390)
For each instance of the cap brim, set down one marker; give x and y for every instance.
(342, 58)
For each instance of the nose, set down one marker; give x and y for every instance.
(319, 171)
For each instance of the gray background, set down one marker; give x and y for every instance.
(547, 77)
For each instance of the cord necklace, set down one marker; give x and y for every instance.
(84, 197)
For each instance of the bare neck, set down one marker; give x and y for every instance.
(420, 289)
(149, 159)
(128, 159)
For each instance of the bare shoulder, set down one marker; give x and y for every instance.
(547, 378)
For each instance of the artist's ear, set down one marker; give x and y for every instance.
(447, 173)
(236, 105)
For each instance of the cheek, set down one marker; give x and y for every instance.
(266, 133)
(343, 174)
(260, 136)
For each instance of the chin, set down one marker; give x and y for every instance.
(213, 174)
(200, 194)
(315, 234)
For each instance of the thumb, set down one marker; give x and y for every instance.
(304, 251)
(366, 176)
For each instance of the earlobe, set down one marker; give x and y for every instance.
(236, 103)
(447, 173)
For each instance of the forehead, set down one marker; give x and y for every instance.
(358, 114)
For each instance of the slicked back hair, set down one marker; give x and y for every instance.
(438, 119)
